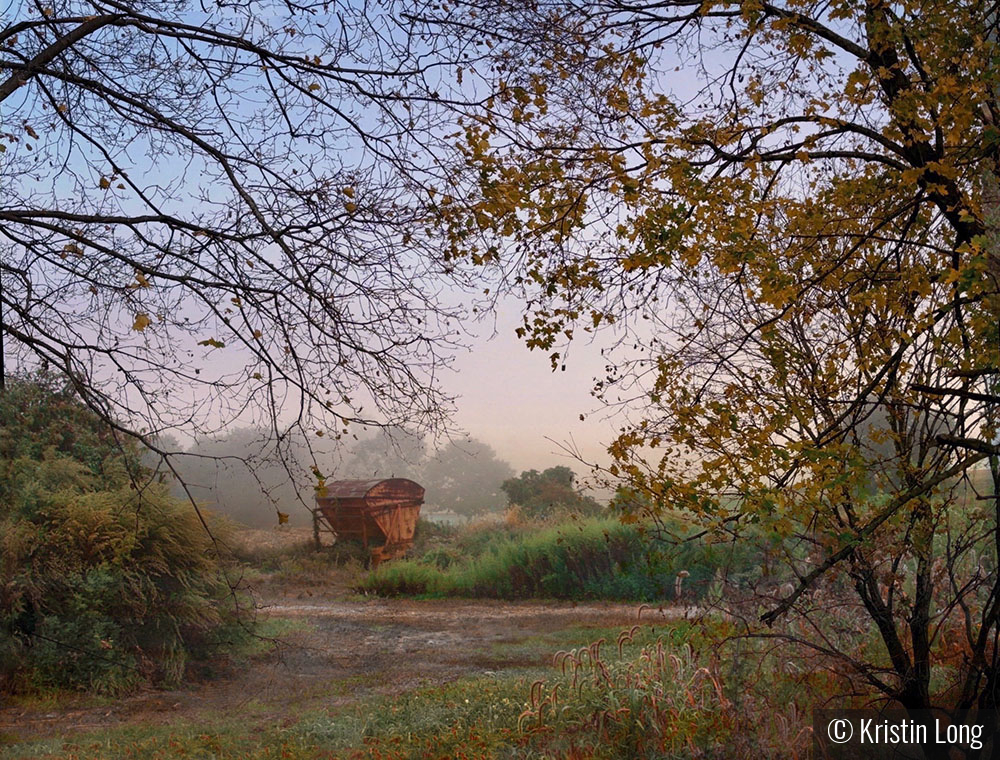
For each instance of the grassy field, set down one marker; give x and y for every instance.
(639, 692)
(348, 676)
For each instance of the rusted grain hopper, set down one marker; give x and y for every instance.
(380, 514)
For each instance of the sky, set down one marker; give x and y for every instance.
(510, 398)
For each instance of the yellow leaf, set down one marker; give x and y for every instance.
(282, 518)
(142, 321)
(313, 87)
(105, 183)
(351, 207)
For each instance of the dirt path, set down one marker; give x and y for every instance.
(342, 650)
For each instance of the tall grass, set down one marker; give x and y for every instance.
(661, 701)
(656, 696)
(583, 559)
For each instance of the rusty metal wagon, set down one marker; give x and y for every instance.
(379, 514)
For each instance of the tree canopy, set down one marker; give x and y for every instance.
(789, 211)
(241, 475)
(466, 476)
(463, 475)
(391, 452)
(541, 494)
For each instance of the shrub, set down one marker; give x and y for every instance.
(106, 582)
(430, 535)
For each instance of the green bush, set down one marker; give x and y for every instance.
(542, 494)
(106, 582)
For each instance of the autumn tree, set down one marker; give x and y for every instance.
(221, 212)
(784, 208)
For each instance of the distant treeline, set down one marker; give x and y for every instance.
(241, 475)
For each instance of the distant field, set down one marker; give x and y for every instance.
(274, 539)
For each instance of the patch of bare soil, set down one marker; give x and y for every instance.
(280, 537)
(341, 651)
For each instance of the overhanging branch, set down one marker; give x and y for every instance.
(844, 552)
(973, 444)
(47, 55)
(989, 398)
